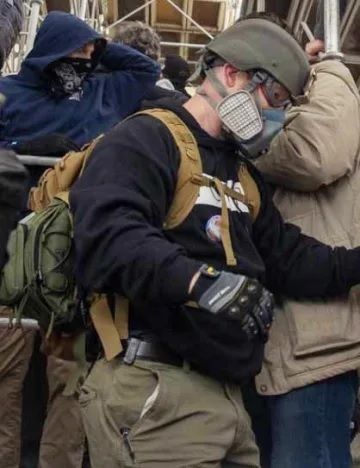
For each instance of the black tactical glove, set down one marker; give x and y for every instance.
(238, 298)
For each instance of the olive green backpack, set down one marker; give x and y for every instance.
(38, 281)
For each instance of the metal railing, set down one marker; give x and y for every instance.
(26, 324)
(45, 161)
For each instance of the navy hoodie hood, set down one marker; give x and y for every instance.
(32, 110)
(59, 35)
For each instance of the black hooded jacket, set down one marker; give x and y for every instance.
(119, 207)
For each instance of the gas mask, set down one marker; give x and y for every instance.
(242, 116)
(251, 127)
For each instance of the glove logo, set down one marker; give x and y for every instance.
(213, 228)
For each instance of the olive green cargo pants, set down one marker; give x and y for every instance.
(16, 348)
(156, 415)
(63, 438)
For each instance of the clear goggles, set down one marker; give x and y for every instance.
(276, 94)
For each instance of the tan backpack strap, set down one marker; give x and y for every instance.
(55, 180)
(60, 178)
(190, 175)
(64, 196)
(121, 317)
(90, 148)
(252, 194)
(38, 197)
(225, 226)
(186, 192)
(105, 327)
(209, 182)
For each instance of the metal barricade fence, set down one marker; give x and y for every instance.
(45, 161)
(26, 324)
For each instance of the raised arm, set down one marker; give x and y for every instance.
(320, 142)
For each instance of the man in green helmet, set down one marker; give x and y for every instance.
(200, 306)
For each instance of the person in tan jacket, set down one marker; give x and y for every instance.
(309, 372)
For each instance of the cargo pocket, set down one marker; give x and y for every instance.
(135, 403)
(318, 328)
(104, 439)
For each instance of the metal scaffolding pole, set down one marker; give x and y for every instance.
(182, 44)
(294, 6)
(303, 14)
(261, 5)
(195, 23)
(33, 23)
(331, 29)
(238, 9)
(83, 8)
(174, 5)
(352, 9)
(44, 161)
(129, 15)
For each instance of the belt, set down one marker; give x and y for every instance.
(149, 351)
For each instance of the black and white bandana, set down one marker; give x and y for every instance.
(68, 75)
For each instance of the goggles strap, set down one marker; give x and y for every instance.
(203, 94)
(258, 78)
(214, 80)
(216, 83)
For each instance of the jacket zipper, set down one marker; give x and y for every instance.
(125, 431)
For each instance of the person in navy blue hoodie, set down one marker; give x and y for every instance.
(56, 94)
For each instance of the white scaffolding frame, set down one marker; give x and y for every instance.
(352, 9)
(229, 10)
(32, 18)
(90, 11)
(95, 12)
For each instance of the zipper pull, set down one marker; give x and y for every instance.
(125, 431)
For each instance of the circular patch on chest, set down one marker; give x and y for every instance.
(213, 228)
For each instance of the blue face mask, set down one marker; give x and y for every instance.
(273, 123)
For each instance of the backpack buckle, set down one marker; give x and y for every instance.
(132, 349)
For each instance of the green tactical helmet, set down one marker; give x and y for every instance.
(260, 44)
